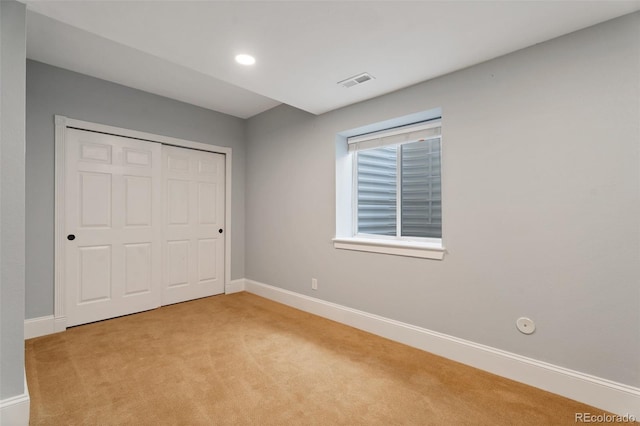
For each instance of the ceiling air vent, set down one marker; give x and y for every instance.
(356, 79)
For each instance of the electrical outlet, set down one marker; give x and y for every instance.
(314, 284)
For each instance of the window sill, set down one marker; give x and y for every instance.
(398, 248)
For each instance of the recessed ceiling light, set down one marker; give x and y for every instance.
(245, 59)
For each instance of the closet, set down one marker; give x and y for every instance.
(143, 223)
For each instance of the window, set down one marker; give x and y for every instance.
(396, 195)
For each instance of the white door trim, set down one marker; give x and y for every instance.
(61, 125)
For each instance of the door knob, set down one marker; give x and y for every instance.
(71, 237)
(220, 230)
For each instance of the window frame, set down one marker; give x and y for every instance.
(421, 247)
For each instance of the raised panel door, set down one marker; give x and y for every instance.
(113, 211)
(193, 249)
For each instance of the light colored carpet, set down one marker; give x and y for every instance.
(244, 360)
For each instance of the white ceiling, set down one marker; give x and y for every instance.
(184, 49)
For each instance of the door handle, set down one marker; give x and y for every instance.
(220, 230)
(71, 237)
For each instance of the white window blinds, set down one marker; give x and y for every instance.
(399, 135)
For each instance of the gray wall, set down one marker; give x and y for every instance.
(51, 91)
(12, 194)
(541, 200)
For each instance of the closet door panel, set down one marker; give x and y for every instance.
(113, 226)
(193, 250)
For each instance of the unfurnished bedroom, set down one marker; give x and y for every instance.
(319, 213)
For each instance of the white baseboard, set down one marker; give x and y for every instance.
(235, 286)
(36, 327)
(604, 394)
(14, 411)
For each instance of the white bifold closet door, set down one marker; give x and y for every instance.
(144, 225)
(193, 251)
